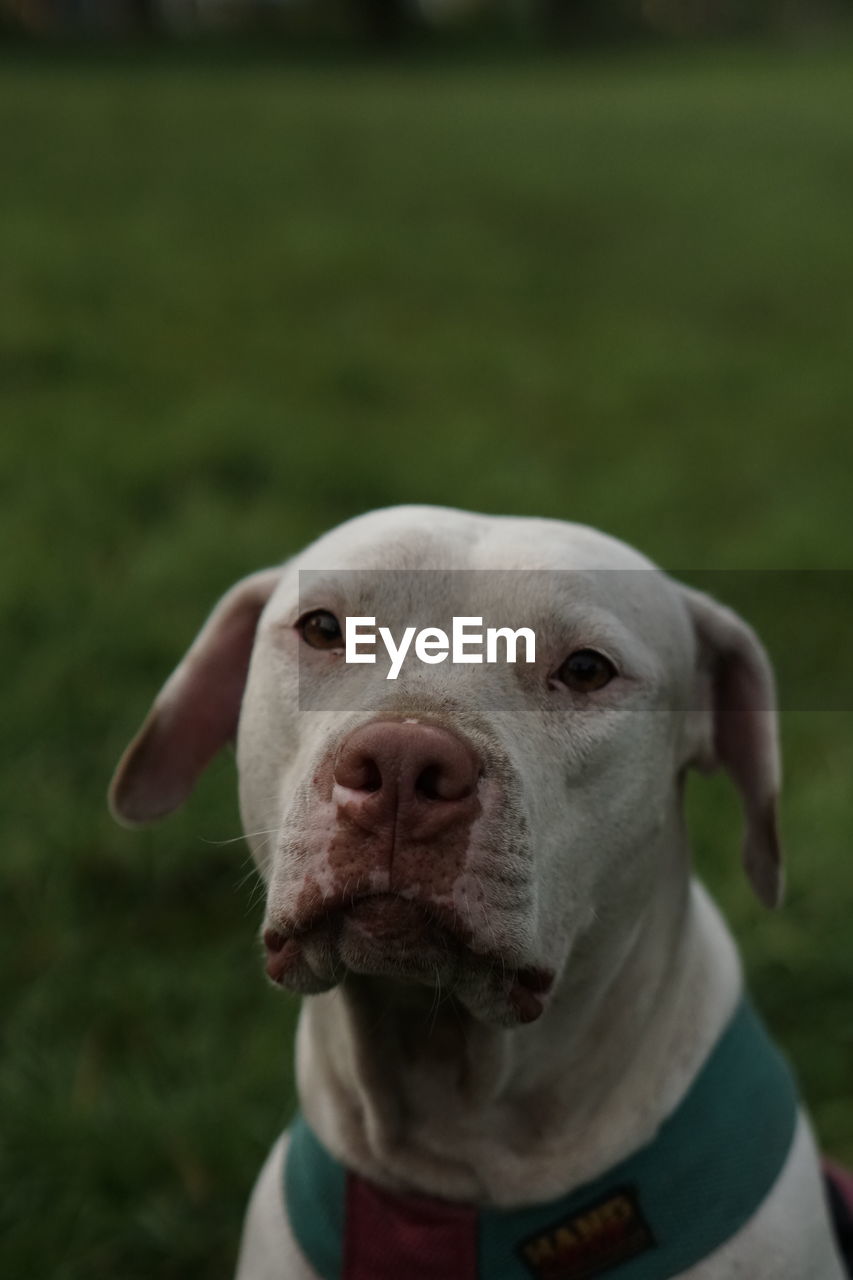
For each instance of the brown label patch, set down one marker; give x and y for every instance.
(602, 1234)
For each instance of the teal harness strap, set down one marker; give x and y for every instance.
(705, 1173)
(315, 1200)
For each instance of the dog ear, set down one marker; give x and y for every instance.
(196, 711)
(738, 690)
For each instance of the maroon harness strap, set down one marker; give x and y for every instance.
(394, 1237)
(842, 1180)
(839, 1187)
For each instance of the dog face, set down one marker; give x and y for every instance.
(463, 825)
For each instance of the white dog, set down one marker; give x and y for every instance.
(525, 1050)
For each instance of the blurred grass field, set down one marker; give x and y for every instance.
(242, 301)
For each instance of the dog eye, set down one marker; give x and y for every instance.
(320, 629)
(586, 670)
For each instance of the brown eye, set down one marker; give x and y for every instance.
(320, 629)
(586, 670)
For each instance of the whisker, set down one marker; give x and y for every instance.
(247, 835)
(436, 1001)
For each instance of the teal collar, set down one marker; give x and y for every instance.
(704, 1174)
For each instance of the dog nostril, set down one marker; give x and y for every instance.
(440, 782)
(372, 776)
(358, 771)
(427, 783)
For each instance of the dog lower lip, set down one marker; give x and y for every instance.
(385, 927)
(537, 981)
(527, 1006)
(388, 933)
(282, 954)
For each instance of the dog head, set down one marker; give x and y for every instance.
(465, 824)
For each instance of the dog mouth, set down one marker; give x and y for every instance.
(372, 933)
(387, 920)
(423, 942)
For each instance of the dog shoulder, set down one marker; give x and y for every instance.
(268, 1250)
(770, 1246)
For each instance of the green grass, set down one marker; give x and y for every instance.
(241, 301)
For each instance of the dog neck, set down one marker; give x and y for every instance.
(412, 1092)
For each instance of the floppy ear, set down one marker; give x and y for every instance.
(196, 711)
(737, 687)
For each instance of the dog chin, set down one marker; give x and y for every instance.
(385, 936)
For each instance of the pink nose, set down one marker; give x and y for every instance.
(415, 776)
